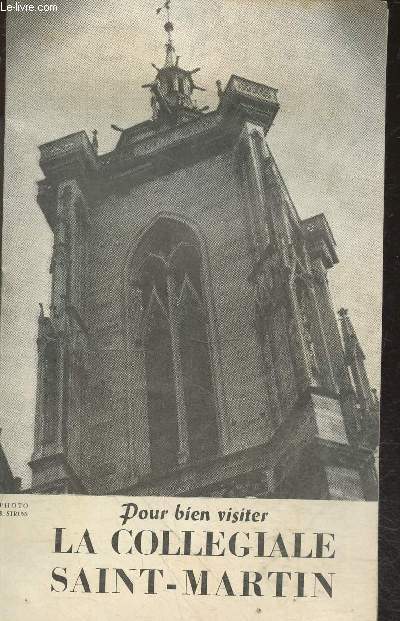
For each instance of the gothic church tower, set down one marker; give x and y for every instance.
(192, 347)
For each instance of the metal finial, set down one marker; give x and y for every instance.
(168, 26)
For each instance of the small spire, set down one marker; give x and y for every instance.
(170, 59)
(95, 141)
(173, 86)
(349, 336)
(355, 358)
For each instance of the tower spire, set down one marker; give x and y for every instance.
(170, 58)
(172, 89)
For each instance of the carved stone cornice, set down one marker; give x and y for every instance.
(147, 150)
(320, 241)
(68, 157)
(252, 100)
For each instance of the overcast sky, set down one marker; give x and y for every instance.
(83, 67)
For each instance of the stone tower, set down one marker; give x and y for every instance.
(192, 346)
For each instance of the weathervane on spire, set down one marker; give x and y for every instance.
(172, 89)
(168, 26)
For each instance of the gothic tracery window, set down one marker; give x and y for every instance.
(195, 361)
(174, 327)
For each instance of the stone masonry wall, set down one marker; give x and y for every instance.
(208, 195)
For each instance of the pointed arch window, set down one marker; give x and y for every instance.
(173, 328)
(195, 355)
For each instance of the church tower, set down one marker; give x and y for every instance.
(192, 346)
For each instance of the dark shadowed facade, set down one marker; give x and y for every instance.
(192, 347)
(8, 483)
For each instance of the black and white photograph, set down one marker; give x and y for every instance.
(192, 249)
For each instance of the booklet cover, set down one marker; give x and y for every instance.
(189, 376)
